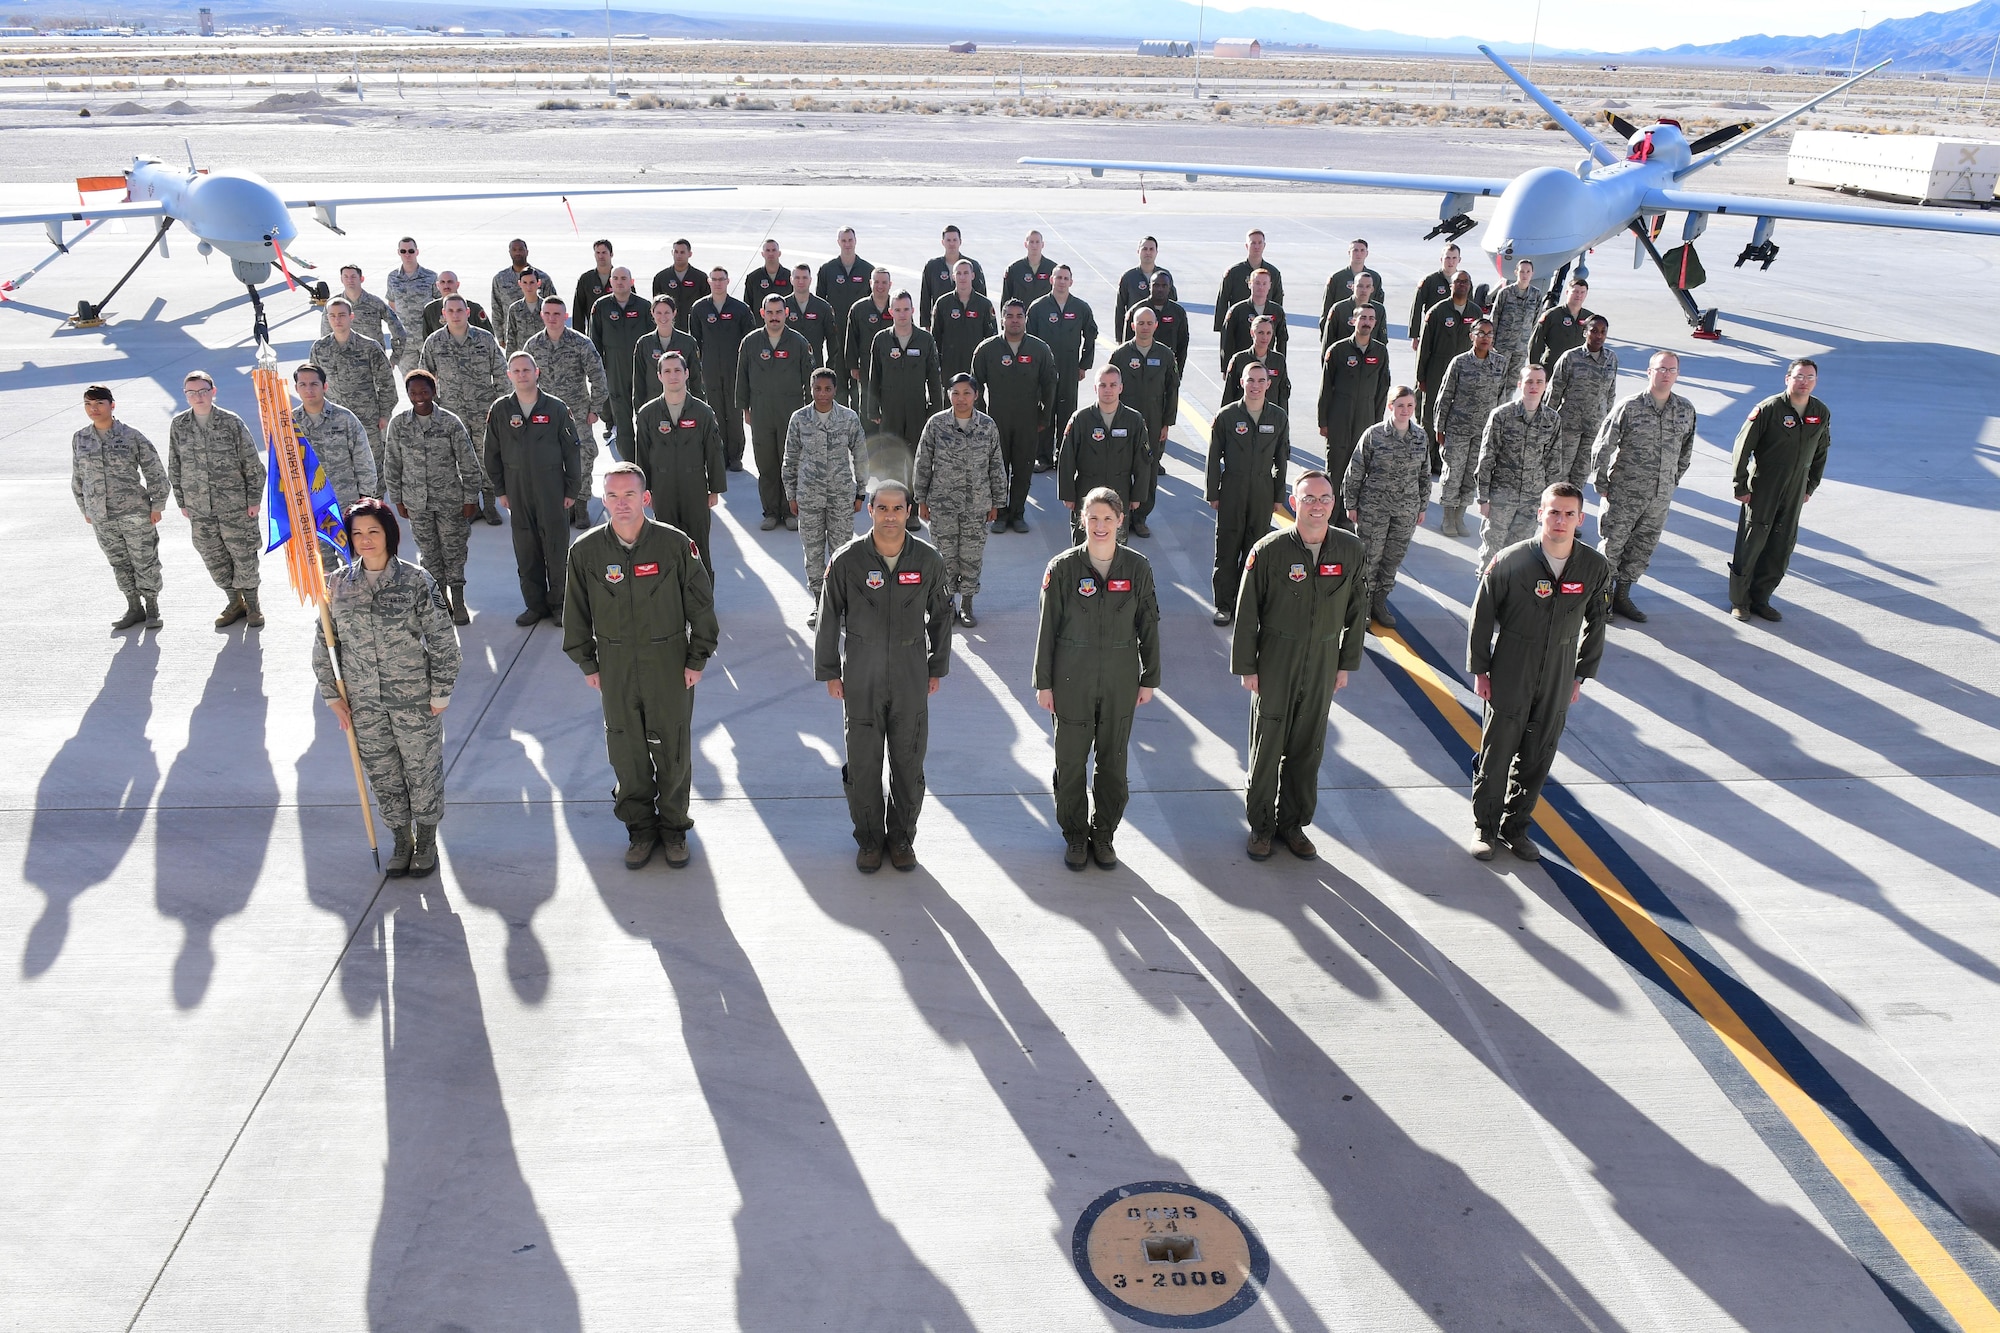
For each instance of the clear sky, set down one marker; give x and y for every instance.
(1606, 25)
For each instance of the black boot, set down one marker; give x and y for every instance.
(135, 613)
(459, 615)
(965, 616)
(1621, 603)
(490, 511)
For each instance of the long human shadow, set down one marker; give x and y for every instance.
(1695, 1215)
(92, 799)
(813, 1249)
(519, 882)
(201, 879)
(333, 857)
(461, 1242)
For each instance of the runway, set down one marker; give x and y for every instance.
(1720, 1062)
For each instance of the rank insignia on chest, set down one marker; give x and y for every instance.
(513, 421)
(1330, 571)
(1572, 587)
(1119, 585)
(909, 577)
(614, 573)
(875, 579)
(1087, 587)
(1298, 573)
(1242, 428)
(1544, 588)
(645, 571)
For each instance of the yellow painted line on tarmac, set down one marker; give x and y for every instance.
(1928, 1259)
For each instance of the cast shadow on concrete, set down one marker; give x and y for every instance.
(813, 1249)
(518, 881)
(93, 798)
(460, 1240)
(203, 875)
(333, 856)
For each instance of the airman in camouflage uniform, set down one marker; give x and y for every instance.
(507, 282)
(521, 320)
(358, 374)
(1517, 457)
(337, 437)
(411, 288)
(432, 475)
(116, 477)
(374, 318)
(1387, 485)
(217, 474)
(1473, 384)
(823, 442)
(471, 371)
(1580, 387)
(961, 482)
(1643, 451)
(1516, 308)
(573, 372)
(399, 658)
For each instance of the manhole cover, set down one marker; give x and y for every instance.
(1169, 1255)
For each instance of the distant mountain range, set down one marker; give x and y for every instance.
(1957, 41)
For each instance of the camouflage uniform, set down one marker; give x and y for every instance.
(1514, 314)
(573, 372)
(217, 474)
(507, 292)
(119, 485)
(1517, 458)
(408, 295)
(1580, 387)
(1643, 450)
(374, 319)
(429, 468)
(343, 450)
(961, 475)
(360, 379)
(519, 323)
(1388, 481)
(1467, 397)
(399, 658)
(822, 460)
(471, 373)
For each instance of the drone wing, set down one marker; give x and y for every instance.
(1972, 223)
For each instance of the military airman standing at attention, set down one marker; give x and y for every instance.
(1434, 288)
(1152, 385)
(470, 371)
(1387, 486)
(812, 318)
(1581, 386)
(509, 290)
(960, 321)
(1241, 318)
(358, 374)
(1097, 658)
(1105, 444)
(641, 625)
(217, 474)
(374, 318)
(1518, 452)
(1027, 279)
(116, 477)
(883, 647)
(1353, 392)
(1473, 384)
(1261, 352)
(1170, 315)
(1777, 464)
(1301, 621)
(1249, 453)
(905, 390)
(1443, 337)
(842, 283)
(1236, 283)
(616, 322)
(865, 318)
(1537, 634)
(823, 443)
(1066, 324)
(411, 288)
(431, 475)
(774, 369)
(1562, 328)
(337, 438)
(1016, 374)
(1642, 452)
(685, 283)
(646, 354)
(720, 323)
(1515, 309)
(531, 456)
(961, 482)
(938, 274)
(572, 371)
(1136, 284)
(682, 454)
(447, 285)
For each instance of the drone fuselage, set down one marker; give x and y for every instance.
(235, 212)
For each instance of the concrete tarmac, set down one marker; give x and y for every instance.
(251, 1084)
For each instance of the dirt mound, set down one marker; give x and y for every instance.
(127, 109)
(178, 109)
(306, 101)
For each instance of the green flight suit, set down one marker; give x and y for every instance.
(959, 327)
(616, 330)
(1353, 390)
(905, 390)
(1300, 621)
(532, 458)
(1152, 384)
(1526, 624)
(1248, 458)
(772, 381)
(720, 331)
(897, 619)
(1017, 388)
(636, 617)
(646, 354)
(685, 460)
(1779, 459)
(1095, 452)
(1099, 643)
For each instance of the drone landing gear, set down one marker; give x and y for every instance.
(90, 316)
(1701, 323)
(260, 328)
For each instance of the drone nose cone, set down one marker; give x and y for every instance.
(1539, 213)
(237, 208)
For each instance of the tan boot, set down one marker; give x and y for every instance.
(253, 615)
(135, 614)
(231, 613)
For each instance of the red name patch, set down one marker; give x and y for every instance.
(645, 571)
(1329, 571)
(1572, 587)
(1120, 585)
(910, 576)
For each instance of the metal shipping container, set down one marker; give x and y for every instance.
(1921, 168)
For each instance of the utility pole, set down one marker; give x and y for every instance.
(611, 70)
(1989, 70)
(1857, 42)
(1534, 38)
(1200, 28)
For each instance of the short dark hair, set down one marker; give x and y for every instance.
(370, 507)
(606, 244)
(684, 241)
(882, 484)
(673, 354)
(548, 301)
(1804, 361)
(672, 304)
(1562, 490)
(1061, 268)
(951, 229)
(1599, 319)
(98, 393)
(718, 269)
(1014, 302)
(824, 374)
(301, 369)
(962, 377)
(421, 374)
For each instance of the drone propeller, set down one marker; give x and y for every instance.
(1717, 138)
(1626, 129)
